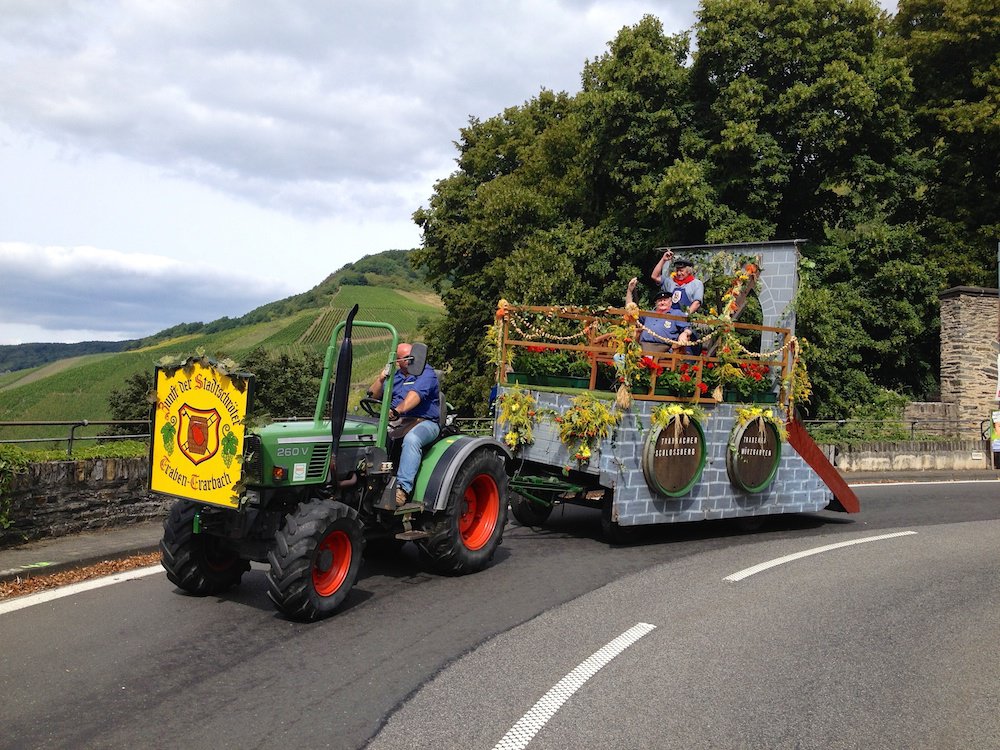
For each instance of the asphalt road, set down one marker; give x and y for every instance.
(888, 644)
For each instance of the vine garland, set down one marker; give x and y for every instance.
(748, 414)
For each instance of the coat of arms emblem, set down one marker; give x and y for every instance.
(198, 433)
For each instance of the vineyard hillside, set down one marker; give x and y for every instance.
(79, 388)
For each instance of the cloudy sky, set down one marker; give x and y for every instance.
(167, 161)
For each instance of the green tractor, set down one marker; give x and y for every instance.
(314, 493)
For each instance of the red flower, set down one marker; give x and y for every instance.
(684, 367)
(685, 378)
(649, 363)
(710, 365)
(702, 388)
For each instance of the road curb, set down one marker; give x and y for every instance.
(44, 568)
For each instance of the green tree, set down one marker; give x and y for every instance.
(131, 401)
(793, 120)
(953, 48)
(285, 385)
(803, 109)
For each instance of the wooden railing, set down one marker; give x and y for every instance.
(598, 346)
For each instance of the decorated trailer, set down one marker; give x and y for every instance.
(684, 431)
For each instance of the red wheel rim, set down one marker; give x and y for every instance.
(480, 509)
(217, 560)
(337, 547)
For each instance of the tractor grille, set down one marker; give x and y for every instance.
(317, 463)
(251, 459)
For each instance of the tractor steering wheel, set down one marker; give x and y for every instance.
(371, 406)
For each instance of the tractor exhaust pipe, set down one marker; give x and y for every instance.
(341, 386)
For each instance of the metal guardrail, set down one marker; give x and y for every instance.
(471, 426)
(72, 437)
(938, 427)
(475, 425)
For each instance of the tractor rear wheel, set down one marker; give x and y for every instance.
(315, 560)
(528, 512)
(200, 564)
(464, 537)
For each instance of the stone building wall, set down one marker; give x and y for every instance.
(969, 352)
(65, 497)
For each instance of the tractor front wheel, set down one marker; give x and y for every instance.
(467, 533)
(200, 564)
(315, 560)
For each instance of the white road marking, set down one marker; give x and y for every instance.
(13, 605)
(747, 572)
(531, 723)
(910, 484)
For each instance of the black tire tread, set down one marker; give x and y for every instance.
(289, 579)
(444, 548)
(181, 553)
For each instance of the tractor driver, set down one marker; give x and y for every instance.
(414, 413)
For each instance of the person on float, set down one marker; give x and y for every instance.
(686, 291)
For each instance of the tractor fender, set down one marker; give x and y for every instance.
(441, 463)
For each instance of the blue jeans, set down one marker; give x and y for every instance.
(409, 458)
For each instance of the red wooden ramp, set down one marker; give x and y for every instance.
(844, 498)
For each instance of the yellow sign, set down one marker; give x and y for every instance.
(198, 434)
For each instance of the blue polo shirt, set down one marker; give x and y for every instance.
(426, 386)
(658, 326)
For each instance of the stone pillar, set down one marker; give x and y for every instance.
(969, 352)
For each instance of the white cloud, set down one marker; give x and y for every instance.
(286, 103)
(73, 292)
(282, 138)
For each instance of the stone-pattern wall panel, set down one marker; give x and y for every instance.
(616, 465)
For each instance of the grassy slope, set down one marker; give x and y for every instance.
(79, 389)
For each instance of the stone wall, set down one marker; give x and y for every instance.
(969, 352)
(65, 497)
(934, 418)
(953, 455)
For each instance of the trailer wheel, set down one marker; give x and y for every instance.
(315, 560)
(200, 564)
(528, 512)
(464, 537)
(615, 533)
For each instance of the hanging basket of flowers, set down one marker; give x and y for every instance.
(588, 421)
